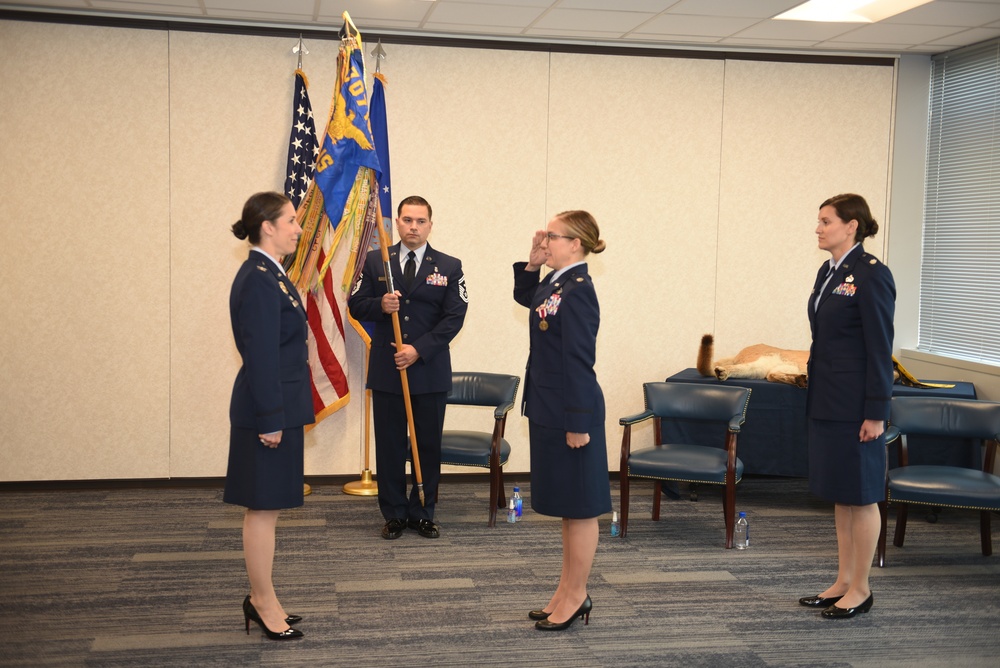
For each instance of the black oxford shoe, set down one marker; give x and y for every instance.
(818, 601)
(393, 529)
(425, 528)
(833, 612)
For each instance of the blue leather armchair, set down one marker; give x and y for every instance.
(479, 448)
(941, 486)
(687, 462)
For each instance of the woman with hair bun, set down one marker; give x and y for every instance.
(564, 404)
(847, 403)
(271, 401)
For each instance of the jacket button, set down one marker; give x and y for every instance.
(406, 336)
(406, 318)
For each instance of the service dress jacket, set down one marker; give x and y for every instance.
(273, 388)
(561, 389)
(850, 360)
(431, 313)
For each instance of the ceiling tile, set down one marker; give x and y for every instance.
(293, 7)
(756, 9)
(472, 29)
(679, 24)
(386, 12)
(484, 16)
(887, 33)
(648, 6)
(940, 13)
(592, 20)
(966, 37)
(801, 30)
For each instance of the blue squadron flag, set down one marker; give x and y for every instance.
(380, 135)
(337, 217)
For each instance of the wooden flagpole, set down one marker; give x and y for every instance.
(383, 242)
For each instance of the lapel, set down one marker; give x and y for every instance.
(547, 287)
(846, 268)
(288, 287)
(397, 272)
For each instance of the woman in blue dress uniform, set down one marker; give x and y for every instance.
(850, 386)
(271, 401)
(564, 403)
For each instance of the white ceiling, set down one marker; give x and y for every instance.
(730, 25)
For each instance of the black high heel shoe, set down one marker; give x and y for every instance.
(833, 612)
(818, 601)
(584, 612)
(250, 614)
(538, 614)
(290, 619)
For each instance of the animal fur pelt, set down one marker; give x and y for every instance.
(758, 361)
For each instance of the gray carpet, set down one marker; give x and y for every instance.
(154, 577)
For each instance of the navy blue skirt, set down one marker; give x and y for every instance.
(262, 478)
(569, 482)
(842, 469)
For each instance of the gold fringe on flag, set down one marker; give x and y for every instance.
(908, 379)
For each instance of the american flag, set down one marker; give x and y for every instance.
(303, 146)
(327, 351)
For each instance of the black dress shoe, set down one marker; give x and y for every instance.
(425, 528)
(818, 601)
(393, 529)
(538, 614)
(833, 612)
(292, 619)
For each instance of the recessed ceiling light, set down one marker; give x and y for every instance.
(849, 11)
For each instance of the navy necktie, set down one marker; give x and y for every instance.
(410, 270)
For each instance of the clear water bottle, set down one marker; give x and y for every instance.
(511, 512)
(616, 529)
(518, 502)
(741, 534)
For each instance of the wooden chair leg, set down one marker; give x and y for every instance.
(657, 493)
(729, 509)
(984, 532)
(623, 493)
(883, 512)
(900, 534)
(494, 494)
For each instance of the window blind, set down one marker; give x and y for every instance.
(960, 267)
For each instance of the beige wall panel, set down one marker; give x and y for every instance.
(467, 130)
(636, 141)
(230, 114)
(794, 134)
(83, 348)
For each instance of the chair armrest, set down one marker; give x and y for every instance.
(502, 410)
(635, 419)
(735, 424)
(891, 434)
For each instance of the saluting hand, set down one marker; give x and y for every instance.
(538, 254)
(576, 440)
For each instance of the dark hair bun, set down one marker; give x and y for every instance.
(872, 228)
(239, 230)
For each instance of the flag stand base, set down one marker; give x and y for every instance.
(363, 487)
(306, 489)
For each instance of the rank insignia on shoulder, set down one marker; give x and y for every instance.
(261, 267)
(872, 261)
(283, 288)
(579, 279)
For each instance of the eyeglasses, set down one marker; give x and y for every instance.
(552, 235)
